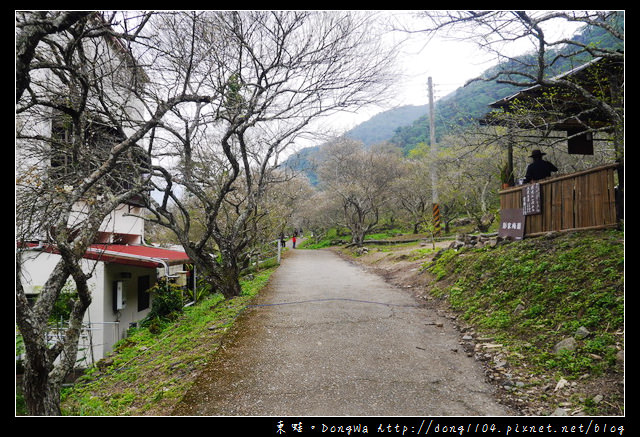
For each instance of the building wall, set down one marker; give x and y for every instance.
(123, 225)
(104, 326)
(34, 128)
(121, 320)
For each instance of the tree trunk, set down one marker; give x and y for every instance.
(46, 366)
(416, 227)
(228, 282)
(357, 238)
(41, 395)
(228, 273)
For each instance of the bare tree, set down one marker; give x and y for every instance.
(412, 191)
(31, 32)
(271, 74)
(319, 212)
(79, 123)
(361, 181)
(469, 183)
(496, 31)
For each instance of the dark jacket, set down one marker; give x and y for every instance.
(539, 169)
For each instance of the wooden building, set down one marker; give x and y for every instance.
(587, 199)
(581, 200)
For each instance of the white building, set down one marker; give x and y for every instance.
(122, 266)
(121, 276)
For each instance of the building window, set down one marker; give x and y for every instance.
(143, 295)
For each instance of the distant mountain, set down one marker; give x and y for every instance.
(381, 127)
(304, 161)
(407, 126)
(457, 110)
(467, 104)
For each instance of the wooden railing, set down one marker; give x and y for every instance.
(580, 200)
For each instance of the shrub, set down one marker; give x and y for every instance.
(167, 301)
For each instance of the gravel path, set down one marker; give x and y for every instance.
(327, 338)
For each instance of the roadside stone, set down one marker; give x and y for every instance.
(582, 332)
(508, 384)
(561, 384)
(547, 387)
(456, 245)
(470, 241)
(568, 344)
(501, 364)
(361, 251)
(491, 346)
(560, 412)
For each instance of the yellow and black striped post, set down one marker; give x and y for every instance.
(436, 219)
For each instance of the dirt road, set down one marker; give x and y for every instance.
(328, 338)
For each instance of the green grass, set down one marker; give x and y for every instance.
(327, 239)
(388, 233)
(533, 293)
(335, 237)
(151, 370)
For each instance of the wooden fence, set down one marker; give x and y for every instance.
(585, 199)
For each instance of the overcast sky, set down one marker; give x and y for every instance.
(450, 63)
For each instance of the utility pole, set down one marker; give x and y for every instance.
(433, 155)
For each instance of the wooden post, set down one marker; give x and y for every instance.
(279, 249)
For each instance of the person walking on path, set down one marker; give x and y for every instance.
(293, 239)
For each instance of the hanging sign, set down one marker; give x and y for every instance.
(531, 199)
(511, 224)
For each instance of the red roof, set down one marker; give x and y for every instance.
(144, 256)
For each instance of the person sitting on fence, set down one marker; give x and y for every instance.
(539, 168)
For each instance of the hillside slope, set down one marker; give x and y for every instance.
(545, 315)
(152, 369)
(381, 127)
